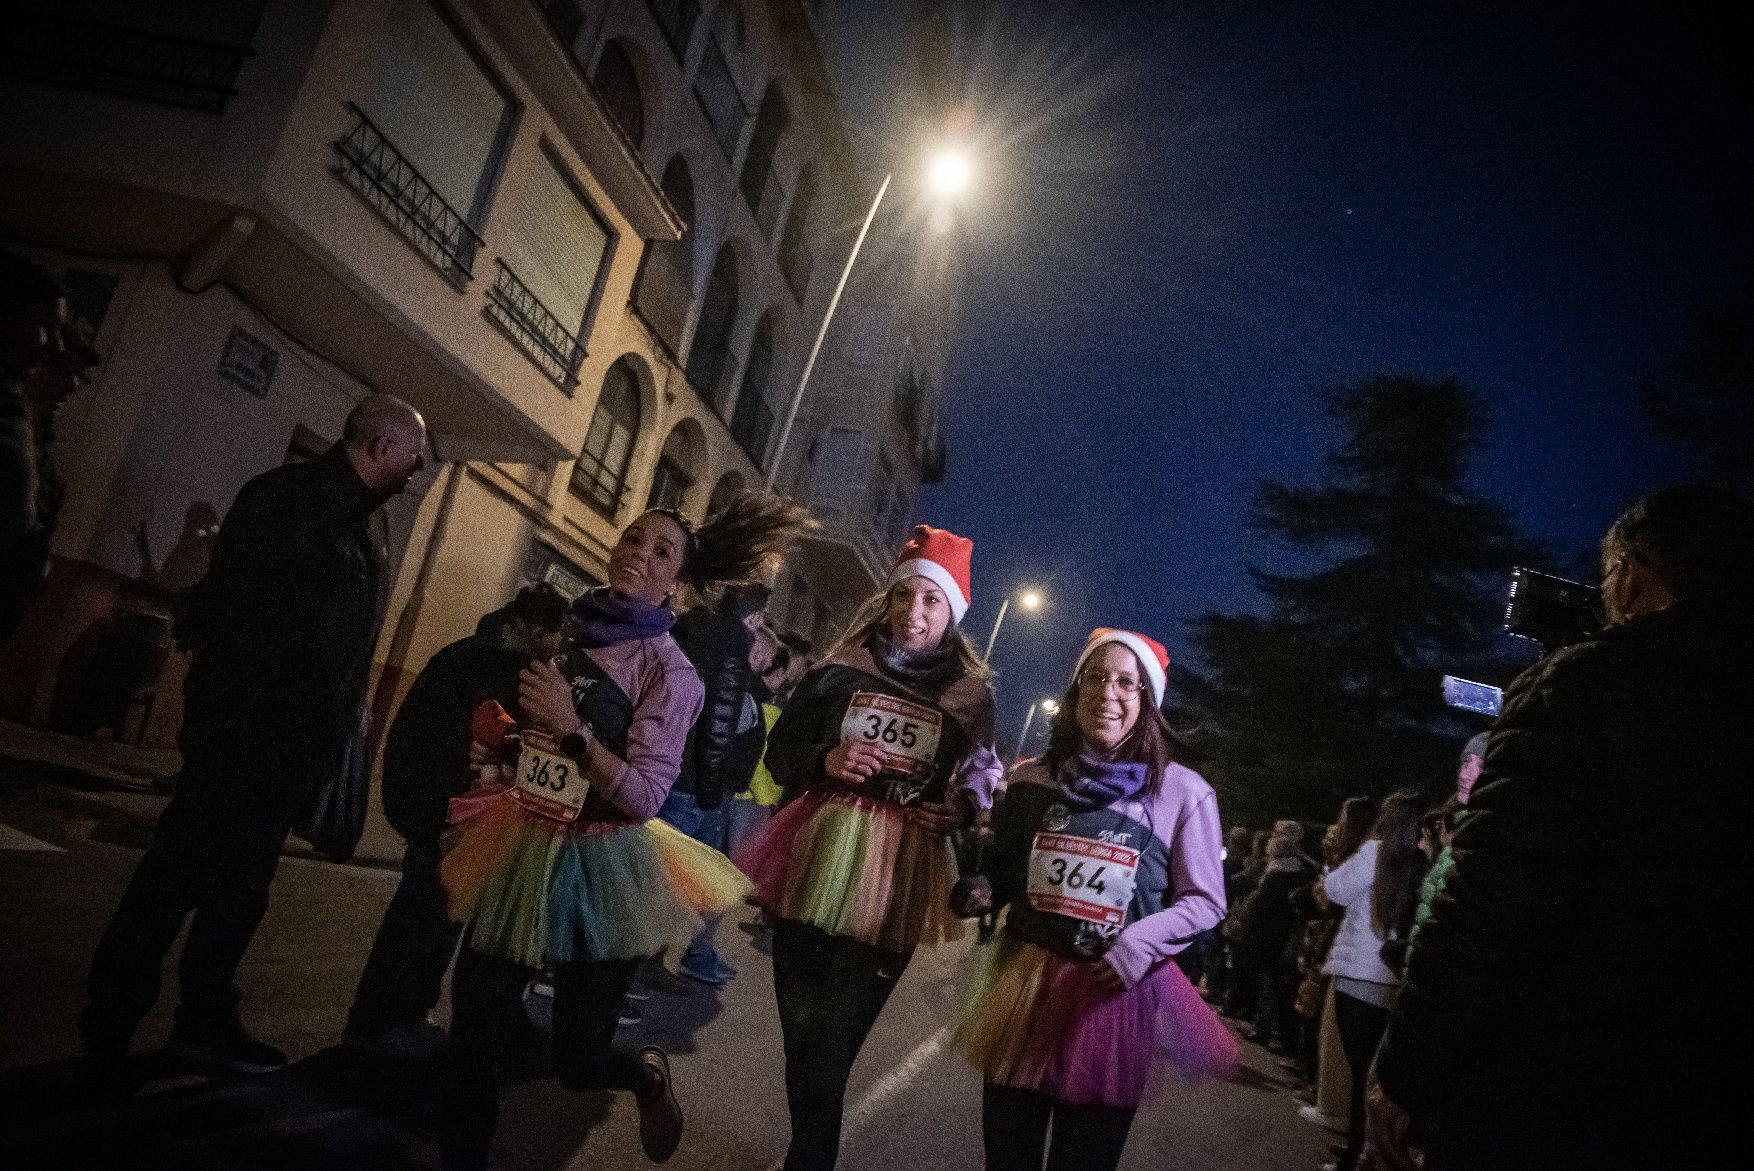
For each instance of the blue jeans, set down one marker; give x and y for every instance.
(681, 811)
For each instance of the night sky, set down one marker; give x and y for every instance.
(1190, 219)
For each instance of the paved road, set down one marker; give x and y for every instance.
(67, 846)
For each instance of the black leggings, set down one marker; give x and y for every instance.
(830, 989)
(1361, 1026)
(494, 1043)
(1014, 1130)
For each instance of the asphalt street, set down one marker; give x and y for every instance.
(69, 843)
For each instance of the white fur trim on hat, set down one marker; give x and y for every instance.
(938, 576)
(1154, 674)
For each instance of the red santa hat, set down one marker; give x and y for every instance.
(942, 558)
(1152, 656)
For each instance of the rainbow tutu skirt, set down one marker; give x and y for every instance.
(1037, 1021)
(855, 866)
(536, 890)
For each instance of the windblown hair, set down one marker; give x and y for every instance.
(742, 542)
(1151, 742)
(1698, 539)
(1400, 864)
(874, 616)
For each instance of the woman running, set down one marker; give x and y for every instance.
(1108, 856)
(884, 750)
(556, 860)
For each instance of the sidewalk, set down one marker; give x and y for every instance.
(58, 757)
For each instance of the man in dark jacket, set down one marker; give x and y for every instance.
(1568, 1004)
(280, 631)
(717, 640)
(33, 317)
(426, 763)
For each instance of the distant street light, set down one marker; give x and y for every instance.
(1029, 599)
(1047, 705)
(948, 174)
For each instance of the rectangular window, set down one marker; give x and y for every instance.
(556, 254)
(443, 118)
(669, 485)
(720, 97)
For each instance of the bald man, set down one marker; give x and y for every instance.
(280, 632)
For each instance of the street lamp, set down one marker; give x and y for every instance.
(1029, 600)
(1047, 705)
(948, 174)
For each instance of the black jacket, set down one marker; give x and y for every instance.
(1571, 998)
(718, 646)
(1269, 914)
(281, 627)
(426, 756)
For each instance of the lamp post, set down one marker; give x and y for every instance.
(1029, 600)
(948, 174)
(1047, 705)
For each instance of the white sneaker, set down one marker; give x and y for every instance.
(1315, 1115)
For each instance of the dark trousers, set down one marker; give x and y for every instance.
(215, 852)
(1361, 1026)
(830, 989)
(1014, 1128)
(405, 973)
(493, 1043)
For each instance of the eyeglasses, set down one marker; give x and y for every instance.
(1101, 681)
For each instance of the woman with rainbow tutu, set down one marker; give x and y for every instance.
(1107, 854)
(556, 860)
(884, 750)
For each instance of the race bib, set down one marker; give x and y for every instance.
(904, 734)
(1082, 878)
(548, 783)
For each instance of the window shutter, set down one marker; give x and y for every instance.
(557, 245)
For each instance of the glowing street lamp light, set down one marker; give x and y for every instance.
(1047, 705)
(948, 174)
(1029, 600)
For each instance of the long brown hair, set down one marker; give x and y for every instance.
(873, 616)
(742, 542)
(1400, 863)
(1151, 742)
(1351, 829)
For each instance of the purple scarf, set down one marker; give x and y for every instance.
(1089, 782)
(603, 618)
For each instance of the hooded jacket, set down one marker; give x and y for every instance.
(1568, 999)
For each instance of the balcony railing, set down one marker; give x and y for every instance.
(133, 63)
(372, 166)
(539, 333)
(751, 426)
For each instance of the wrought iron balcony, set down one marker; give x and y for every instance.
(539, 333)
(371, 165)
(134, 63)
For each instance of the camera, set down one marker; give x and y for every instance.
(1550, 610)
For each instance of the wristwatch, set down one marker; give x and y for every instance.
(575, 744)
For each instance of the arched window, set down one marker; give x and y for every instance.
(666, 282)
(728, 486)
(770, 126)
(794, 251)
(709, 357)
(600, 475)
(678, 466)
(618, 85)
(752, 422)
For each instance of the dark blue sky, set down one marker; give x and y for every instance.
(1192, 218)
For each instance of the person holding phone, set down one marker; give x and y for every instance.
(1108, 858)
(883, 751)
(557, 860)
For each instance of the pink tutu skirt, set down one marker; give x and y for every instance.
(1036, 1021)
(856, 867)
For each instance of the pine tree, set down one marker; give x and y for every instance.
(1335, 689)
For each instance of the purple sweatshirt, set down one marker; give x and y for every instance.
(667, 696)
(1179, 891)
